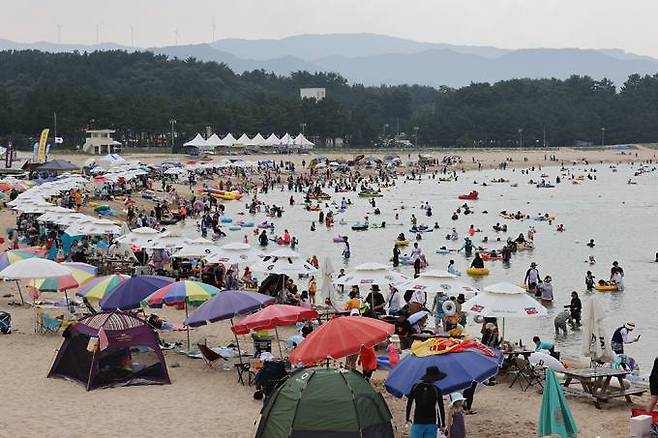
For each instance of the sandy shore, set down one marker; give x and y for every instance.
(204, 402)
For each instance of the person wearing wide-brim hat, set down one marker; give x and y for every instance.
(426, 396)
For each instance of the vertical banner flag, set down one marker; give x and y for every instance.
(41, 155)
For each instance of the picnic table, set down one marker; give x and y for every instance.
(509, 364)
(595, 383)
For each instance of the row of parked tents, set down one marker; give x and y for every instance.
(257, 141)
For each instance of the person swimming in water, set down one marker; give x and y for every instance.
(477, 262)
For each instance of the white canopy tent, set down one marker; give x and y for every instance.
(258, 140)
(243, 140)
(213, 141)
(302, 142)
(228, 140)
(272, 140)
(197, 141)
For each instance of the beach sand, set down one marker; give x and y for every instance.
(203, 402)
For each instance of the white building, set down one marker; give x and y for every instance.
(100, 142)
(313, 93)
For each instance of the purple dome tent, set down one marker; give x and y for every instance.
(110, 349)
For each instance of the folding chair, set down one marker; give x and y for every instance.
(5, 323)
(209, 356)
(526, 372)
(46, 323)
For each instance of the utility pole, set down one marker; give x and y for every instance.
(521, 137)
(172, 122)
(416, 129)
(602, 137)
(54, 127)
(302, 127)
(544, 137)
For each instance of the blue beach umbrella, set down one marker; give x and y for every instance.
(130, 293)
(462, 369)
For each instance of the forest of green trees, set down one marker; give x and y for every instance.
(139, 93)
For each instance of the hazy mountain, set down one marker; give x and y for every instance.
(379, 59)
(46, 46)
(311, 47)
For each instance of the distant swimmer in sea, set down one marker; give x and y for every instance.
(591, 243)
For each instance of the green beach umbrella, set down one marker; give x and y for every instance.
(554, 415)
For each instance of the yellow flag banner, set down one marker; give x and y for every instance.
(434, 346)
(41, 152)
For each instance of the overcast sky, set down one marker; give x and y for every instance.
(503, 23)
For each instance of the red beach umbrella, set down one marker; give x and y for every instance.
(273, 316)
(341, 337)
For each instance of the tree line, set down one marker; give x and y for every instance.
(140, 93)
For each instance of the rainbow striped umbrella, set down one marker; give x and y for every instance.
(96, 288)
(15, 255)
(80, 273)
(181, 292)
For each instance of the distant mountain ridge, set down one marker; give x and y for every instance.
(379, 59)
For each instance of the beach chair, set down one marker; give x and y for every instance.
(5, 323)
(209, 356)
(45, 323)
(525, 372)
(243, 368)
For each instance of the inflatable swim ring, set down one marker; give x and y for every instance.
(477, 272)
(606, 288)
(402, 242)
(449, 308)
(235, 228)
(226, 219)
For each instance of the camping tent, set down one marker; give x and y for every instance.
(124, 351)
(325, 402)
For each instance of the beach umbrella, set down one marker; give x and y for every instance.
(272, 317)
(182, 292)
(235, 253)
(546, 360)
(139, 236)
(284, 261)
(555, 417)
(327, 289)
(325, 402)
(369, 274)
(504, 300)
(227, 305)
(436, 280)
(31, 268)
(80, 273)
(130, 293)
(95, 289)
(464, 362)
(596, 342)
(340, 337)
(15, 255)
(179, 292)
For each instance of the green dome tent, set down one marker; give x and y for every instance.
(325, 402)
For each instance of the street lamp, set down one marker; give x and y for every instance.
(302, 126)
(416, 129)
(602, 137)
(172, 122)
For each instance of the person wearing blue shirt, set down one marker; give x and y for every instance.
(539, 345)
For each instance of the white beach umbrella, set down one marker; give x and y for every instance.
(435, 280)
(367, 274)
(284, 261)
(139, 236)
(504, 300)
(28, 269)
(93, 228)
(596, 342)
(192, 250)
(236, 253)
